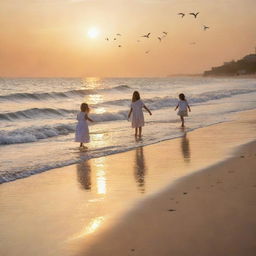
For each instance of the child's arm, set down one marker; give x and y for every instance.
(88, 118)
(130, 113)
(147, 110)
(176, 107)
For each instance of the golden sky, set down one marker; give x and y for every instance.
(48, 38)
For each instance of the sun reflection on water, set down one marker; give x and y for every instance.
(100, 110)
(94, 99)
(91, 82)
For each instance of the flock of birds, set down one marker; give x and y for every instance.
(163, 34)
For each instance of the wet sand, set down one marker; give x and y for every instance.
(141, 199)
(211, 213)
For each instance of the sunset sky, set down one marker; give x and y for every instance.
(49, 38)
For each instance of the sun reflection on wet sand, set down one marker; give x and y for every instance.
(93, 225)
(100, 176)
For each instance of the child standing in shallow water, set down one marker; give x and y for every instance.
(137, 113)
(82, 130)
(183, 108)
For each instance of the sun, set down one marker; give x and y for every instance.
(93, 32)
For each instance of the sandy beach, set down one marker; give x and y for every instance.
(208, 213)
(193, 195)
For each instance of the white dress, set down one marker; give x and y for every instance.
(137, 114)
(82, 130)
(183, 104)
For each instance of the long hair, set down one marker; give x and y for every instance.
(182, 96)
(85, 108)
(135, 96)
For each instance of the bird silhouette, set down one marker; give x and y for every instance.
(147, 35)
(160, 39)
(194, 14)
(181, 14)
(165, 33)
(205, 27)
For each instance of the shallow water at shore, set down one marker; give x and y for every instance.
(38, 116)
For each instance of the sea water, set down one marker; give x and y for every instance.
(38, 116)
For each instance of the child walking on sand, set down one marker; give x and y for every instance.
(183, 108)
(82, 130)
(137, 113)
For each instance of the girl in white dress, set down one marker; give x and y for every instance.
(183, 108)
(82, 130)
(137, 113)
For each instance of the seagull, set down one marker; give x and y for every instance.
(182, 14)
(205, 27)
(165, 33)
(194, 14)
(147, 35)
(160, 39)
(118, 34)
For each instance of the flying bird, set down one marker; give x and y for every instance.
(165, 33)
(181, 14)
(160, 39)
(194, 14)
(147, 35)
(205, 27)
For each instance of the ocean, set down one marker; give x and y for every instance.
(38, 116)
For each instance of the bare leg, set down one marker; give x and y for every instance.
(136, 132)
(81, 144)
(140, 130)
(182, 121)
